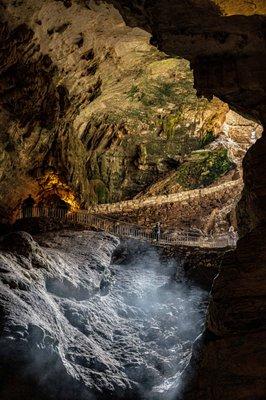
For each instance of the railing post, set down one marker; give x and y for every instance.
(126, 229)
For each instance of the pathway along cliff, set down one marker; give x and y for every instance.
(78, 326)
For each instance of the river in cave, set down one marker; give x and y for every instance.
(80, 326)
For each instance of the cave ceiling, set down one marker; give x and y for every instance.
(224, 40)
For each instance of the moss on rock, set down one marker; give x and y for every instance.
(203, 168)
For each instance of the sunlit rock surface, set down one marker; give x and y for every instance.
(74, 326)
(90, 107)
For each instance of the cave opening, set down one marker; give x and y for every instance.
(53, 200)
(105, 114)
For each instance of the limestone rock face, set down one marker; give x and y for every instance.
(89, 109)
(75, 327)
(228, 363)
(231, 7)
(225, 43)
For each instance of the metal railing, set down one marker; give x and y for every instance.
(125, 229)
(39, 211)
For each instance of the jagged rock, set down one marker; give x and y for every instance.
(225, 43)
(63, 336)
(89, 107)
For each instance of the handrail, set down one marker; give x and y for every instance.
(126, 229)
(111, 219)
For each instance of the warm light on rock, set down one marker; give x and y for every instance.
(51, 184)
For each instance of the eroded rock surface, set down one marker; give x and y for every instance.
(225, 43)
(72, 326)
(91, 110)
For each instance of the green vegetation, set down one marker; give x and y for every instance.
(132, 93)
(150, 134)
(120, 170)
(98, 192)
(203, 168)
(207, 139)
(160, 92)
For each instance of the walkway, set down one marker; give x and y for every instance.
(126, 230)
(233, 187)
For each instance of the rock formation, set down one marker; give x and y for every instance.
(225, 43)
(206, 209)
(91, 111)
(44, 114)
(75, 327)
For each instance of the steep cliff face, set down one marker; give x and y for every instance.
(90, 110)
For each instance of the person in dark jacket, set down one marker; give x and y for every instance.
(63, 208)
(27, 206)
(157, 231)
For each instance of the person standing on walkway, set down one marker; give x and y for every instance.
(27, 207)
(157, 231)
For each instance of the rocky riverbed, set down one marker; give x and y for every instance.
(79, 319)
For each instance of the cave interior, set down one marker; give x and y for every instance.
(224, 41)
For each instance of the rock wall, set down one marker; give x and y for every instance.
(89, 109)
(38, 337)
(177, 211)
(226, 46)
(225, 43)
(74, 326)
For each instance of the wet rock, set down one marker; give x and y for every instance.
(198, 266)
